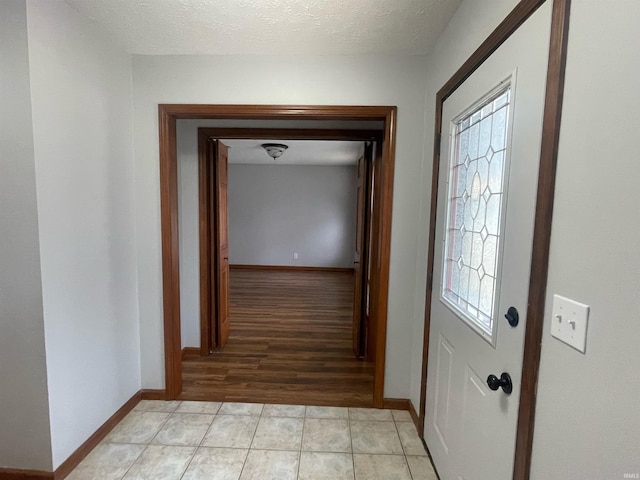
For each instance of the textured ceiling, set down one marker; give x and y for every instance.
(300, 152)
(307, 27)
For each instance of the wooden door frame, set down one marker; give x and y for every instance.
(206, 209)
(543, 214)
(168, 114)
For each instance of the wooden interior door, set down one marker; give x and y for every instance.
(220, 164)
(358, 259)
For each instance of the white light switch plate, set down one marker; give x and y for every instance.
(569, 322)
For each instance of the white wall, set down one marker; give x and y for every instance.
(587, 417)
(359, 80)
(82, 114)
(24, 410)
(588, 411)
(276, 210)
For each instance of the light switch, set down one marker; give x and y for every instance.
(569, 322)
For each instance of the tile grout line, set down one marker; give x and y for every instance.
(146, 445)
(353, 455)
(404, 452)
(134, 462)
(199, 444)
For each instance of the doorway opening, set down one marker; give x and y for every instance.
(382, 122)
(285, 250)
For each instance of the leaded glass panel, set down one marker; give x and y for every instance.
(475, 203)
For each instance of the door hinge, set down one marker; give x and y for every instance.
(436, 146)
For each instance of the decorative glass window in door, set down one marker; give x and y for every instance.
(474, 217)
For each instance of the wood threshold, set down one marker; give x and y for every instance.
(167, 116)
(543, 215)
(293, 268)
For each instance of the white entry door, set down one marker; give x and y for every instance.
(491, 133)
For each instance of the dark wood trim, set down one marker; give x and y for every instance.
(291, 268)
(542, 236)
(291, 133)
(153, 394)
(18, 474)
(170, 251)
(544, 209)
(396, 403)
(205, 236)
(507, 27)
(414, 414)
(381, 253)
(275, 112)
(83, 450)
(167, 116)
(190, 352)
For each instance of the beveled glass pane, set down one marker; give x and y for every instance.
(463, 146)
(474, 134)
(475, 197)
(455, 278)
(489, 255)
(501, 100)
(466, 248)
(486, 295)
(486, 110)
(456, 251)
(476, 250)
(499, 130)
(457, 213)
(480, 220)
(493, 213)
(483, 170)
(485, 136)
(459, 179)
(495, 172)
(473, 297)
(464, 281)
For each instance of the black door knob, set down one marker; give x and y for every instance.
(504, 381)
(512, 316)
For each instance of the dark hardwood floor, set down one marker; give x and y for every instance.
(290, 343)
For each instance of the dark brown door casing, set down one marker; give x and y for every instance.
(381, 243)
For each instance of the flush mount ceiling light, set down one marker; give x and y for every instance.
(274, 150)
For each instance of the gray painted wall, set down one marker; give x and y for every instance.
(25, 440)
(327, 80)
(587, 416)
(588, 412)
(83, 143)
(276, 210)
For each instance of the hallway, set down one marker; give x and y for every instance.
(290, 343)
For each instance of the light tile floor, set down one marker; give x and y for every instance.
(243, 441)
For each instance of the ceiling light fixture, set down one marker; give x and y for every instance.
(274, 150)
